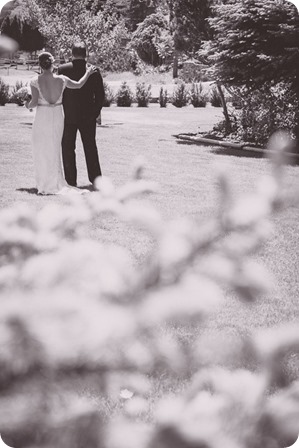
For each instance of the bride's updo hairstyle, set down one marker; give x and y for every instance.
(45, 60)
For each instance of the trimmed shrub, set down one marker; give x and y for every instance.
(109, 95)
(163, 98)
(124, 97)
(180, 95)
(143, 94)
(4, 93)
(215, 97)
(197, 97)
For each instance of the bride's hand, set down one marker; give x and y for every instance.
(91, 69)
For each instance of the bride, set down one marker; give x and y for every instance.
(47, 90)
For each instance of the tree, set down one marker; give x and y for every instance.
(255, 44)
(147, 37)
(189, 26)
(20, 25)
(139, 10)
(104, 33)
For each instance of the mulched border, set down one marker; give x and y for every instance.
(195, 138)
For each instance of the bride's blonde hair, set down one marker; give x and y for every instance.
(45, 60)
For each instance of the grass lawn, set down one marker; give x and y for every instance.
(185, 174)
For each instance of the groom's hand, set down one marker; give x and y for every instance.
(99, 118)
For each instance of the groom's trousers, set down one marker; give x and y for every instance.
(87, 129)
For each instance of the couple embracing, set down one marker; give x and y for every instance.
(66, 102)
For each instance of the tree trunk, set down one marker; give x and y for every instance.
(175, 65)
(295, 87)
(228, 125)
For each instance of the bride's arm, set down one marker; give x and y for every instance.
(33, 102)
(71, 84)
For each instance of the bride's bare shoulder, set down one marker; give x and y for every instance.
(34, 81)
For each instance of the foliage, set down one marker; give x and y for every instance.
(215, 97)
(18, 85)
(150, 39)
(198, 97)
(139, 10)
(255, 42)
(163, 97)
(28, 36)
(265, 111)
(191, 71)
(189, 23)
(124, 96)
(75, 311)
(20, 93)
(143, 94)
(164, 45)
(109, 95)
(180, 95)
(4, 92)
(104, 33)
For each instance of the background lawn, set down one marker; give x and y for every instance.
(188, 188)
(186, 175)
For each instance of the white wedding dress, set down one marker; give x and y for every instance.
(46, 142)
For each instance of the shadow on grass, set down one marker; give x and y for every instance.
(238, 153)
(27, 124)
(28, 190)
(34, 190)
(291, 159)
(110, 125)
(88, 187)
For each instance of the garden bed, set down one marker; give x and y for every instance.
(206, 139)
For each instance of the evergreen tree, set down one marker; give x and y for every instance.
(255, 44)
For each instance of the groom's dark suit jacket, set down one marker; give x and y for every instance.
(84, 103)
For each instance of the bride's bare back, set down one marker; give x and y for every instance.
(51, 87)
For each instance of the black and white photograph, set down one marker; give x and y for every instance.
(149, 224)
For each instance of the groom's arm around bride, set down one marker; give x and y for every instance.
(81, 109)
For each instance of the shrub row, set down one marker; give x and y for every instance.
(181, 96)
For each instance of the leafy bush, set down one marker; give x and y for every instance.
(13, 97)
(265, 111)
(163, 98)
(151, 39)
(79, 315)
(215, 98)
(143, 94)
(180, 95)
(197, 97)
(109, 95)
(22, 95)
(4, 93)
(124, 96)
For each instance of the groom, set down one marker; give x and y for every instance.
(81, 109)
